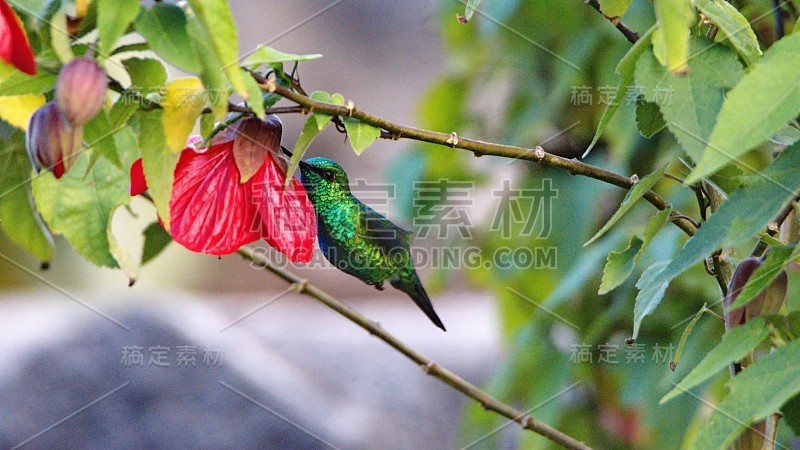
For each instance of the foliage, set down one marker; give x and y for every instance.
(702, 97)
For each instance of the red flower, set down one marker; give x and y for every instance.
(138, 183)
(14, 46)
(213, 211)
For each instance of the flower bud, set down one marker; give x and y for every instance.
(81, 90)
(50, 142)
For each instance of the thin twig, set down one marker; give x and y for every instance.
(778, 13)
(774, 226)
(428, 366)
(631, 35)
(478, 148)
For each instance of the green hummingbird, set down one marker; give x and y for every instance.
(357, 239)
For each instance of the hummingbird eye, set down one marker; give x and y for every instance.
(329, 175)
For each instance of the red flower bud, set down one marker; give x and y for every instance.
(81, 90)
(50, 142)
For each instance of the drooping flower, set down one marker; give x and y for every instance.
(81, 90)
(50, 142)
(231, 193)
(14, 46)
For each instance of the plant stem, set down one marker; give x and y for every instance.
(631, 35)
(428, 366)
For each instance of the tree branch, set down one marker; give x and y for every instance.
(428, 366)
(775, 226)
(631, 35)
(478, 148)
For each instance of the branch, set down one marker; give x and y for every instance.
(428, 366)
(478, 148)
(631, 35)
(775, 226)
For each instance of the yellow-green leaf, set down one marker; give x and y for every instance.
(17, 109)
(674, 19)
(158, 162)
(183, 101)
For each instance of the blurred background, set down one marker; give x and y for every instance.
(230, 360)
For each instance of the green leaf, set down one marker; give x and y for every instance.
(99, 136)
(80, 206)
(158, 162)
(156, 239)
(213, 79)
(323, 120)
(733, 26)
(256, 101)
(310, 131)
(650, 294)
(361, 135)
(268, 55)
(690, 103)
(21, 83)
(755, 393)
(649, 120)
(17, 219)
(634, 194)
(614, 8)
(620, 265)
(733, 347)
(625, 69)
(113, 18)
(147, 74)
(674, 19)
(745, 214)
(774, 262)
(766, 98)
(59, 39)
(469, 10)
(219, 30)
(164, 28)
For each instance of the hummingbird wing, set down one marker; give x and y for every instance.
(380, 231)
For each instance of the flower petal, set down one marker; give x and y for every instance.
(211, 212)
(138, 182)
(14, 46)
(289, 221)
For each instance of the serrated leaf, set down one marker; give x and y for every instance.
(18, 109)
(634, 194)
(625, 69)
(183, 101)
(310, 131)
(690, 103)
(156, 239)
(614, 8)
(323, 120)
(20, 83)
(649, 120)
(746, 212)
(17, 219)
(766, 98)
(733, 26)
(99, 136)
(268, 55)
(734, 346)
(361, 135)
(213, 78)
(158, 162)
(674, 19)
(755, 393)
(774, 262)
(147, 74)
(113, 19)
(620, 265)
(216, 22)
(650, 294)
(164, 28)
(80, 206)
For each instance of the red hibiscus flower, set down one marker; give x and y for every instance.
(232, 193)
(14, 46)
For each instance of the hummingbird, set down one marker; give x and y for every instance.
(358, 240)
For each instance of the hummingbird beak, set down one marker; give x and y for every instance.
(303, 165)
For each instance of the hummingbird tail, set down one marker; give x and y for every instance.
(411, 285)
